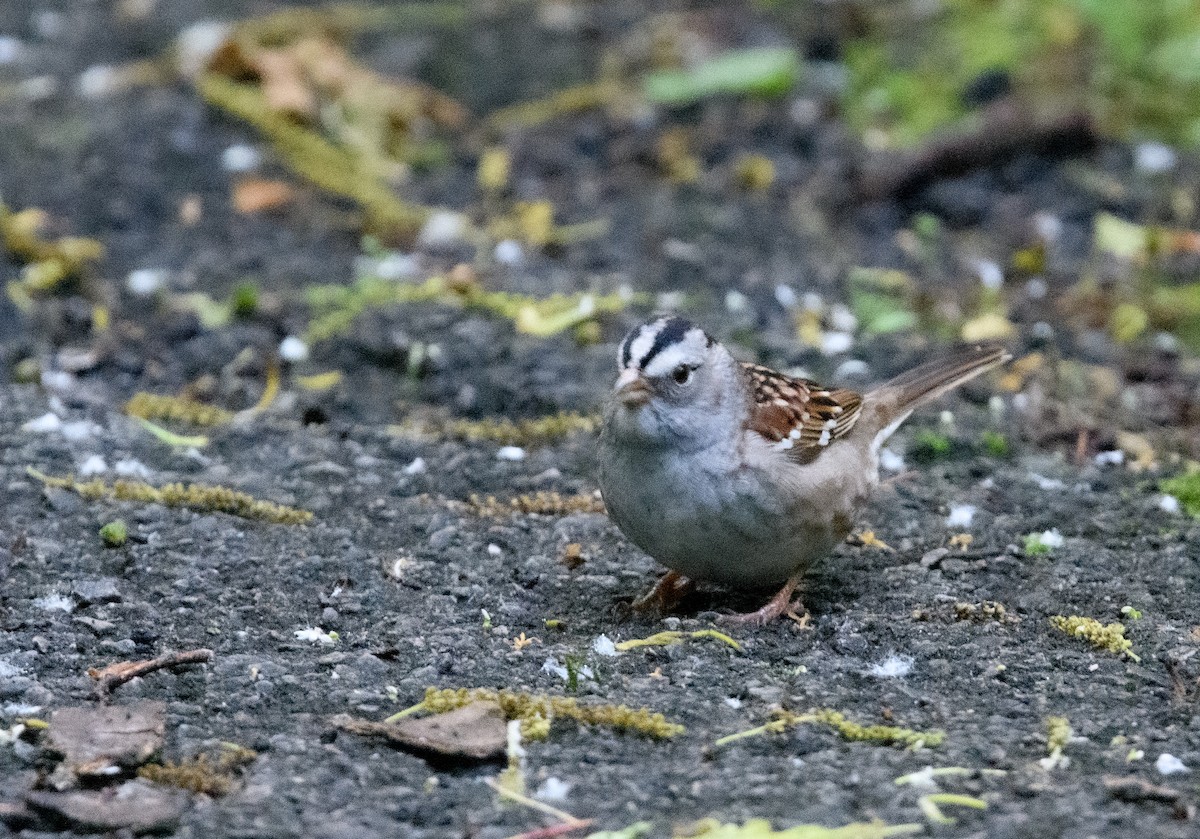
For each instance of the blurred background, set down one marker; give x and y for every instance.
(462, 206)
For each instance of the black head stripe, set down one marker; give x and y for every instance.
(672, 331)
(627, 348)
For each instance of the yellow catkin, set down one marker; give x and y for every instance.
(538, 503)
(1110, 637)
(202, 497)
(536, 711)
(152, 406)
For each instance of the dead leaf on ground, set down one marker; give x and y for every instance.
(93, 741)
(476, 731)
(138, 806)
(257, 195)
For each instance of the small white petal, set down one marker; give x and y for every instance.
(551, 790)
(130, 468)
(785, 296)
(417, 467)
(892, 667)
(315, 634)
(961, 515)
(604, 646)
(1169, 504)
(990, 274)
(293, 349)
(43, 424)
(1051, 538)
(834, 343)
(890, 461)
(94, 465)
(511, 453)
(241, 158)
(1154, 157)
(55, 603)
(1168, 764)
(1110, 458)
(146, 281)
(509, 252)
(494, 550)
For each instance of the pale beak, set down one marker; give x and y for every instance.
(631, 389)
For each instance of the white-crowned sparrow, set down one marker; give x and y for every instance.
(739, 475)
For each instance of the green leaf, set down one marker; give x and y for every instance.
(766, 71)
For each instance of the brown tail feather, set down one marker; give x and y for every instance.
(897, 398)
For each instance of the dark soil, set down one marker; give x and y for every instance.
(403, 575)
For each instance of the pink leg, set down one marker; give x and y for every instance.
(671, 588)
(780, 604)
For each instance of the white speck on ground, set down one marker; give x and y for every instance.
(892, 667)
(511, 453)
(961, 515)
(1168, 764)
(603, 645)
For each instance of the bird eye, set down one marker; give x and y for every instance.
(682, 374)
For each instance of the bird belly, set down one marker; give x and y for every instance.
(718, 524)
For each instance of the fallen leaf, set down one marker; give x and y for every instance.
(93, 741)
(257, 195)
(139, 806)
(477, 731)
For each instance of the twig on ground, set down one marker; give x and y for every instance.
(114, 675)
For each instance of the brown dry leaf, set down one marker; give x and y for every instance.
(1139, 448)
(284, 85)
(92, 740)
(257, 195)
(139, 806)
(477, 731)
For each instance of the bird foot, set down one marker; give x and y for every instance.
(667, 593)
(781, 604)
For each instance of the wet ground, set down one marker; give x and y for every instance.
(422, 591)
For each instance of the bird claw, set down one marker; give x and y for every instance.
(667, 593)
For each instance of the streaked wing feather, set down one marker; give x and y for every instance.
(800, 411)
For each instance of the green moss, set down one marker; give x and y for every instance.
(849, 730)
(245, 300)
(114, 534)
(929, 445)
(1109, 637)
(1187, 489)
(995, 444)
(537, 711)
(1034, 546)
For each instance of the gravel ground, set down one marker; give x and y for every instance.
(422, 591)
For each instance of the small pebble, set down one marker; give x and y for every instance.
(241, 158)
(293, 349)
(552, 790)
(1168, 503)
(494, 550)
(396, 266)
(1168, 764)
(44, 424)
(961, 515)
(736, 302)
(1152, 158)
(417, 467)
(509, 252)
(93, 466)
(510, 453)
(1114, 457)
(834, 343)
(786, 297)
(145, 281)
(603, 645)
(890, 461)
(990, 274)
(10, 50)
(443, 228)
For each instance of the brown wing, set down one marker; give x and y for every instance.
(799, 415)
